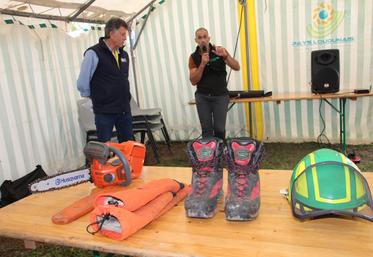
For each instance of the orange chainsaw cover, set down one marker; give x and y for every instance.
(132, 199)
(118, 222)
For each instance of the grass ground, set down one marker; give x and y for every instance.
(277, 156)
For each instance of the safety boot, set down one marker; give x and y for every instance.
(243, 197)
(207, 177)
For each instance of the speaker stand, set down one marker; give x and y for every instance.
(342, 121)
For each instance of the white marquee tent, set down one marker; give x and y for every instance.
(40, 61)
(93, 11)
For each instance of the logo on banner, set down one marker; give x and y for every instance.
(325, 20)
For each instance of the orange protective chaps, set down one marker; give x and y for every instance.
(118, 215)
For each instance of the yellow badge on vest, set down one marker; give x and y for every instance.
(116, 56)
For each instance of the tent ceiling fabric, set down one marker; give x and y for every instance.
(99, 10)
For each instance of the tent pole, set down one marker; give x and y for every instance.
(139, 12)
(248, 64)
(133, 58)
(47, 17)
(142, 28)
(133, 47)
(84, 7)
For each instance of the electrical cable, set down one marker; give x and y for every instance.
(236, 43)
(322, 134)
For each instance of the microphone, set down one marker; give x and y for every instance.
(204, 49)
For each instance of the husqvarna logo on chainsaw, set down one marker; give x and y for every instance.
(69, 179)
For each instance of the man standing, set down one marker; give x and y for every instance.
(104, 78)
(207, 70)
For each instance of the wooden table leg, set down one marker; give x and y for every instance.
(29, 244)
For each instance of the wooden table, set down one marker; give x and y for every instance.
(341, 109)
(274, 233)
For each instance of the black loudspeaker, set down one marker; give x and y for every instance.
(325, 71)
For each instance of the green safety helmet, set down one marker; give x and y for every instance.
(326, 182)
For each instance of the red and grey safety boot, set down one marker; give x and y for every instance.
(207, 177)
(243, 197)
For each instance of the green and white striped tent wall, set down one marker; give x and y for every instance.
(38, 113)
(285, 66)
(39, 67)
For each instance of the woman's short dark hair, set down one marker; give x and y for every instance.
(114, 24)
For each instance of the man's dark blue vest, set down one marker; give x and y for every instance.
(213, 80)
(110, 92)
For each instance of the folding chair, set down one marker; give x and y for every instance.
(86, 119)
(145, 121)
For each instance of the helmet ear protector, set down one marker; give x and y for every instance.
(325, 182)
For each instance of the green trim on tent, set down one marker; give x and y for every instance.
(152, 9)
(45, 25)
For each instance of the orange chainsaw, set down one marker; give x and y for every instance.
(111, 164)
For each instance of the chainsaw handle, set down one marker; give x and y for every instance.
(126, 166)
